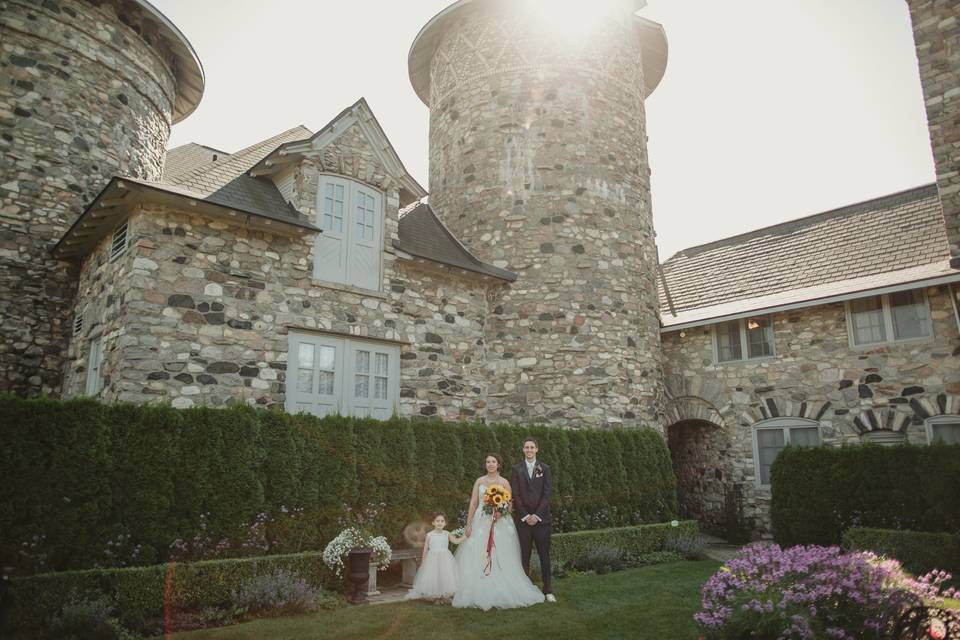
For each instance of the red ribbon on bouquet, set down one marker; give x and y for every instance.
(490, 545)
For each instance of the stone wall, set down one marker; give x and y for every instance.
(538, 163)
(205, 308)
(83, 97)
(936, 33)
(817, 375)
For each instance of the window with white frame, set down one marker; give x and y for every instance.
(945, 429)
(771, 436)
(95, 368)
(744, 339)
(350, 249)
(893, 317)
(328, 374)
(119, 242)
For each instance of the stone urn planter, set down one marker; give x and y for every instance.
(358, 573)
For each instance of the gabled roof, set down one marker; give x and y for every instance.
(358, 113)
(225, 182)
(184, 159)
(421, 234)
(895, 239)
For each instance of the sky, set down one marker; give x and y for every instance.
(770, 110)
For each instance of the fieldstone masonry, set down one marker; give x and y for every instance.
(87, 93)
(538, 163)
(936, 33)
(816, 375)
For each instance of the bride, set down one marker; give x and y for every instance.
(497, 581)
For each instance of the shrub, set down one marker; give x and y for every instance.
(769, 593)
(600, 560)
(919, 552)
(818, 493)
(219, 480)
(686, 545)
(639, 545)
(89, 617)
(278, 592)
(142, 595)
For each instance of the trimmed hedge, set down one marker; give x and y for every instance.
(919, 552)
(818, 493)
(144, 594)
(633, 542)
(75, 474)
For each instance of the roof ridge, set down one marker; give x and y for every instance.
(197, 144)
(238, 157)
(809, 219)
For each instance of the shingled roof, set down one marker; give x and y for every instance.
(225, 182)
(421, 234)
(891, 240)
(181, 160)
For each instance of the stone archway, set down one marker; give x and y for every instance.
(699, 449)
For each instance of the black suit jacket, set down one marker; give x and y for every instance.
(531, 495)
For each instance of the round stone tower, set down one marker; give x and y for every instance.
(538, 163)
(90, 89)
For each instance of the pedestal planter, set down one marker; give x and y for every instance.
(358, 573)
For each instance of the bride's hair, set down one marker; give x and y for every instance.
(496, 457)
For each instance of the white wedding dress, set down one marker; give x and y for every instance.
(506, 586)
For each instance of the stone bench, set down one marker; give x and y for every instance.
(408, 562)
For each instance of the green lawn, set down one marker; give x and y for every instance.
(652, 603)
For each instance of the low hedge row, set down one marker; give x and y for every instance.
(633, 542)
(918, 551)
(144, 594)
(77, 474)
(818, 493)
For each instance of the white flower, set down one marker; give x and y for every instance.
(674, 523)
(351, 538)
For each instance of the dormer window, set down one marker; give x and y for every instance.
(349, 251)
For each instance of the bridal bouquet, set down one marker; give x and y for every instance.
(496, 500)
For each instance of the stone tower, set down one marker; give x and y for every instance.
(89, 90)
(936, 34)
(538, 163)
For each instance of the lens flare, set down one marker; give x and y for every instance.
(573, 19)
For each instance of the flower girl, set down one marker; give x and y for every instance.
(437, 577)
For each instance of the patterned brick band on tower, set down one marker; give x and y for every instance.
(89, 91)
(538, 163)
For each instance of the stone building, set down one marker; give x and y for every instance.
(310, 272)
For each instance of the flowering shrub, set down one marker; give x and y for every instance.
(279, 592)
(771, 593)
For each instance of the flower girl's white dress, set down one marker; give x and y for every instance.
(437, 575)
(506, 586)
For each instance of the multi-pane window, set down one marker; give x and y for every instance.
(945, 429)
(749, 337)
(349, 251)
(366, 216)
(340, 375)
(333, 200)
(889, 318)
(118, 244)
(771, 436)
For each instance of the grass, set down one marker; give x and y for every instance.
(647, 603)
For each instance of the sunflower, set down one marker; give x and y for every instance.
(507, 496)
(497, 500)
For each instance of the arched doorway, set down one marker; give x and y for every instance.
(699, 452)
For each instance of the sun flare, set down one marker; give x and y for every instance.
(570, 19)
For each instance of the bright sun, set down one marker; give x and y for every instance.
(576, 18)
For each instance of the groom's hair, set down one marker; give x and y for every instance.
(531, 439)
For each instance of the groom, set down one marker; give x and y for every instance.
(532, 488)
